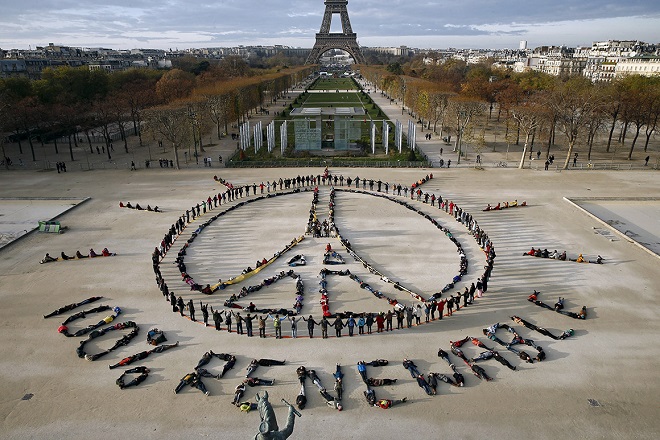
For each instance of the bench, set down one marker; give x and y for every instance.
(51, 226)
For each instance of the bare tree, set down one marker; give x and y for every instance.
(529, 115)
(463, 110)
(573, 103)
(173, 124)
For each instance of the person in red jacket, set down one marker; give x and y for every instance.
(387, 403)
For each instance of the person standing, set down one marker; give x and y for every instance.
(369, 322)
(262, 326)
(205, 313)
(277, 324)
(360, 324)
(324, 327)
(248, 324)
(338, 324)
(191, 310)
(418, 314)
(173, 301)
(228, 321)
(294, 326)
(441, 308)
(350, 323)
(388, 321)
(310, 325)
(217, 318)
(239, 323)
(380, 321)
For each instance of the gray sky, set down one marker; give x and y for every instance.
(128, 24)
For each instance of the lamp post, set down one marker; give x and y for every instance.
(403, 98)
(193, 120)
(461, 127)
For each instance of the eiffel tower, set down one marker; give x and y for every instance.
(347, 40)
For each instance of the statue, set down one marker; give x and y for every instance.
(268, 430)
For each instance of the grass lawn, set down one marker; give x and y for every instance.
(325, 99)
(334, 84)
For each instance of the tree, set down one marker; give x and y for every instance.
(613, 100)
(175, 85)
(103, 117)
(529, 115)
(644, 96)
(573, 103)
(395, 69)
(439, 99)
(464, 110)
(173, 125)
(653, 112)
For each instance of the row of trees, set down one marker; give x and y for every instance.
(176, 105)
(217, 105)
(534, 105)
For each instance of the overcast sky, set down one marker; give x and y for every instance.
(128, 24)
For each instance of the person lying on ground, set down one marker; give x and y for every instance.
(84, 313)
(142, 355)
(370, 395)
(387, 403)
(301, 399)
(583, 313)
(411, 367)
(255, 381)
(238, 394)
(206, 358)
(380, 382)
(331, 401)
(483, 356)
(433, 383)
(143, 373)
(443, 354)
(254, 363)
(339, 385)
(301, 372)
(194, 381)
(203, 372)
(480, 372)
(48, 259)
(421, 381)
(362, 369)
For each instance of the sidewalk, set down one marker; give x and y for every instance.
(429, 148)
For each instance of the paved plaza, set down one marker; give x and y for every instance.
(51, 393)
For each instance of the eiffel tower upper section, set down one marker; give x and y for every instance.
(346, 40)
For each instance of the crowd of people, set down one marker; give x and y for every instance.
(77, 256)
(406, 316)
(505, 205)
(139, 208)
(558, 307)
(560, 256)
(427, 307)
